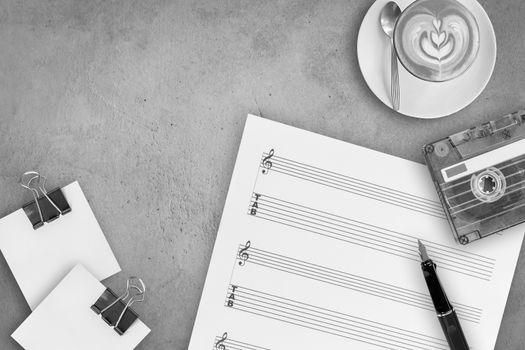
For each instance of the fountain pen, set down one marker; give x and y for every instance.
(445, 312)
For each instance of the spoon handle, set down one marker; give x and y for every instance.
(394, 80)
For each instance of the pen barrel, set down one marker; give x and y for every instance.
(439, 298)
(453, 332)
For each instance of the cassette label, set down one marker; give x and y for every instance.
(483, 161)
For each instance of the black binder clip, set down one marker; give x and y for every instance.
(45, 207)
(115, 311)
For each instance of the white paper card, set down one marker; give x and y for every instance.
(317, 249)
(40, 258)
(64, 319)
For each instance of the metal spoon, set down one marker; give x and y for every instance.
(389, 16)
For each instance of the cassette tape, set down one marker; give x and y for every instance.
(479, 175)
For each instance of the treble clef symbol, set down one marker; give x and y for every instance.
(243, 255)
(267, 163)
(219, 345)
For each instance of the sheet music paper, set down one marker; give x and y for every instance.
(64, 320)
(317, 248)
(40, 258)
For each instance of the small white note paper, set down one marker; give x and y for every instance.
(40, 258)
(64, 320)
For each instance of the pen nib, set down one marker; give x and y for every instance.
(422, 251)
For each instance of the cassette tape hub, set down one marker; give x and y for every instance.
(479, 175)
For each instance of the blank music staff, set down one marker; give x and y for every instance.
(224, 342)
(366, 235)
(352, 185)
(328, 321)
(349, 281)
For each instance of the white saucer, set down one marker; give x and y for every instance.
(420, 98)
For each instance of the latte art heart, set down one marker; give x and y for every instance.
(436, 47)
(439, 45)
(436, 43)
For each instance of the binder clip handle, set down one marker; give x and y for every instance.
(135, 289)
(135, 293)
(49, 206)
(116, 311)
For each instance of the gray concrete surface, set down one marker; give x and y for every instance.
(144, 103)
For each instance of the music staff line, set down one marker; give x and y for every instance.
(355, 186)
(377, 247)
(353, 282)
(225, 343)
(370, 239)
(402, 239)
(378, 186)
(365, 235)
(329, 321)
(307, 168)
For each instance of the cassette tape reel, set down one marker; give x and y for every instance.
(479, 175)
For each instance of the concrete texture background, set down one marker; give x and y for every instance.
(144, 103)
